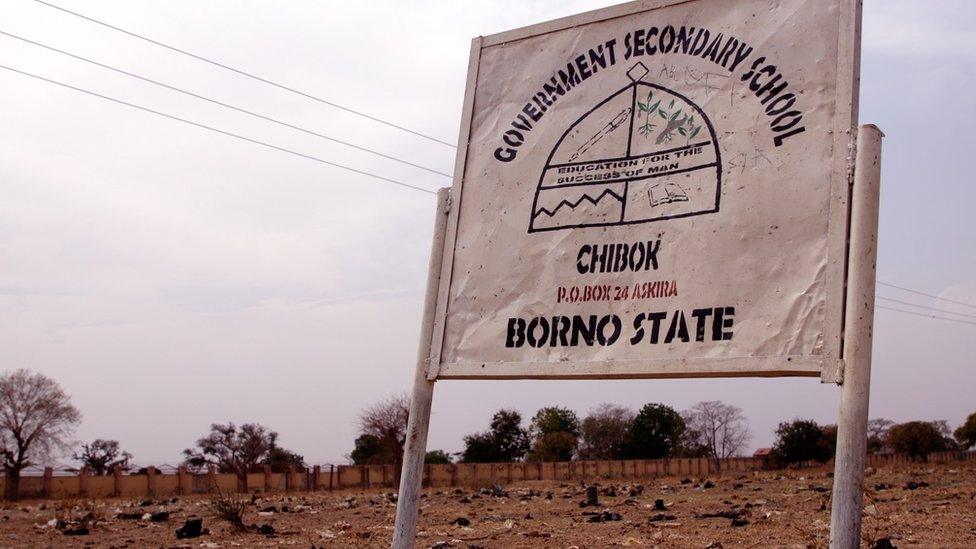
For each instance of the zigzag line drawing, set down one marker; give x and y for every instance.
(574, 205)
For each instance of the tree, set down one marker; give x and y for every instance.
(604, 432)
(722, 429)
(367, 451)
(437, 456)
(656, 432)
(555, 434)
(386, 421)
(918, 438)
(281, 460)
(966, 433)
(36, 420)
(803, 440)
(101, 456)
(231, 450)
(878, 434)
(505, 440)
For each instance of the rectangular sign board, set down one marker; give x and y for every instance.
(656, 189)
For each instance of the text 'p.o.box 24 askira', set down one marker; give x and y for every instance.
(658, 189)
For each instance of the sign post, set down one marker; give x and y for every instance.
(659, 189)
(415, 447)
(845, 511)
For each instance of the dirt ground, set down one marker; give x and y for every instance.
(916, 506)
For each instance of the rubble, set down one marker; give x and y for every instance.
(192, 528)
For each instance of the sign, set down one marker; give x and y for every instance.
(658, 189)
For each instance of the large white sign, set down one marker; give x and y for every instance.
(658, 189)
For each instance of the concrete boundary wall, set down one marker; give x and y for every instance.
(343, 477)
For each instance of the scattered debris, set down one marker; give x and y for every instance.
(192, 528)
(461, 521)
(729, 514)
(591, 497)
(605, 516)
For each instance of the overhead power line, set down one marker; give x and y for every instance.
(248, 74)
(936, 309)
(925, 315)
(217, 130)
(222, 104)
(927, 295)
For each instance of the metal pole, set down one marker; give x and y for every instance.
(412, 474)
(845, 512)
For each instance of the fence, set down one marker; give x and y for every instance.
(341, 477)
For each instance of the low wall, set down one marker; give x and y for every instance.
(329, 478)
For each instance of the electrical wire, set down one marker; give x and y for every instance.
(222, 104)
(924, 315)
(927, 295)
(936, 309)
(217, 130)
(247, 74)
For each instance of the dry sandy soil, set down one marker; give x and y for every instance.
(916, 506)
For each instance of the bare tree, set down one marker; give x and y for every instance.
(36, 419)
(604, 432)
(722, 427)
(231, 450)
(101, 456)
(387, 422)
(878, 434)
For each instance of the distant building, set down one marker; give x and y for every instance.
(765, 458)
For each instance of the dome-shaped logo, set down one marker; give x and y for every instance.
(644, 154)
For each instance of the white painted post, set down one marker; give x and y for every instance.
(845, 512)
(411, 476)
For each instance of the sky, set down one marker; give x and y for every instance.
(170, 277)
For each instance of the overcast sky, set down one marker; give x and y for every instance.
(169, 277)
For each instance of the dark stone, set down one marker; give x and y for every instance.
(730, 514)
(881, 486)
(464, 500)
(738, 522)
(686, 481)
(461, 521)
(882, 543)
(606, 516)
(129, 516)
(161, 516)
(913, 485)
(75, 531)
(192, 528)
(659, 505)
(591, 496)
(265, 530)
(661, 517)
(708, 484)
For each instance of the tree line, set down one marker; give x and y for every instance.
(710, 429)
(37, 421)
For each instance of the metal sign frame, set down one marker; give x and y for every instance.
(828, 366)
